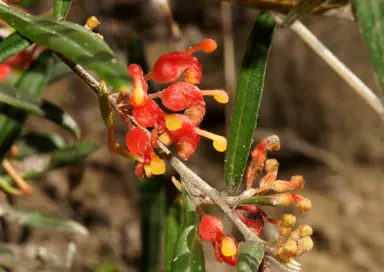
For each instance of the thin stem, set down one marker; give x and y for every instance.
(339, 67)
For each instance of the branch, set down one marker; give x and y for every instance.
(349, 77)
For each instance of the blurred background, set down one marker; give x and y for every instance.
(328, 134)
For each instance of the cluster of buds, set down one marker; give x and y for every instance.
(291, 244)
(185, 101)
(225, 246)
(270, 182)
(298, 241)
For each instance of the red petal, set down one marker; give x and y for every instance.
(149, 115)
(209, 227)
(181, 95)
(169, 67)
(139, 143)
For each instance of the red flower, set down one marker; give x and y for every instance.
(140, 86)
(5, 70)
(225, 246)
(187, 135)
(149, 115)
(138, 143)
(209, 227)
(169, 67)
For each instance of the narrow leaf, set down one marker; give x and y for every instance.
(77, 43)
(35, 219)
(152, 209)
(188, 254)
(65, 156)
(30, 103)
(60, 9)
(59, 71)
(26, 3)
(250, 256)
(247, 100)
(33, 143)
(371, 20)
(13, 45)
(11, 119)
(174, 223)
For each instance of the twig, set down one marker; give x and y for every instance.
(349, 77)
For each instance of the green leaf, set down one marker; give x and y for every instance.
(26, 3)
(29, 103)
(77, 43)
(61, 9)
(35, 219)
(152, 209)
(260, 200)
(59, 71)
(247, 100)
(65, 156)
(188, 254)
(250, 256)
(174, 223)
(371, 19)
(33, 143)
(13, 45)
(11, 119)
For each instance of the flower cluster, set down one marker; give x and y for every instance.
(297, 241)
(225, 246)
(183, 98)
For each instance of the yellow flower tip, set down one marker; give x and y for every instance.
(100, 36)
(271, 165)
(221, 97)
(288, 221)
(305, 244)
(304, 205)
(92, 22)
(290, 246)
(177, 184)
(228, 247)
(172, 122)
(305, 230)
(220, 143)
(139, 97)
(157, 166)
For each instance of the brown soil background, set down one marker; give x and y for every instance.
(305, 103)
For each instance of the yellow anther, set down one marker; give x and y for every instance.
(288, 221)
(228, 247)
(305, 244)
(172, 122)
(304, 205)
(92, 23)
(157, 166)
(220, 143)
(221, 97)
(290, 246)
(177, 184)
(305, 230)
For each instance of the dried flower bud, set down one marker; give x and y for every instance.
(92, 23)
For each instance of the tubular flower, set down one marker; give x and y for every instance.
(225, 246)
(169, 67)
(187, 136)
(140, 86)
(167, 127)
(259, 155)
(138, 143)
(181, 96)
